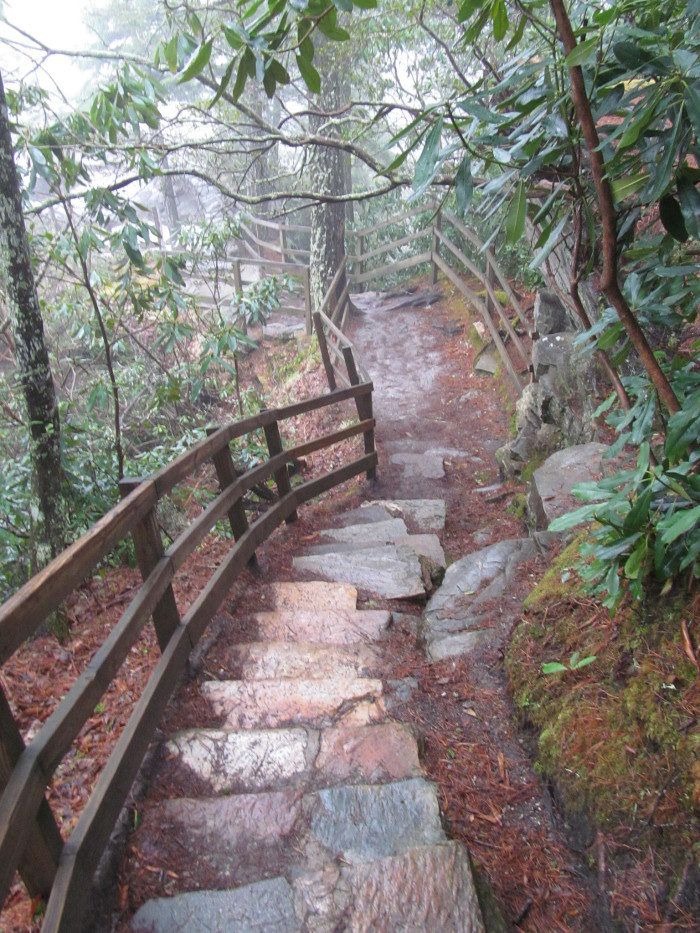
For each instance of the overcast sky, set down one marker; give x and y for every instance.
(57, 23)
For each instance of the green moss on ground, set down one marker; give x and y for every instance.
(619, 737)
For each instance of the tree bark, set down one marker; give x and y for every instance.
(328, 171)
(610, 285)
(30, 346)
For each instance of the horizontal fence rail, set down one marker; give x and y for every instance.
(29, 837)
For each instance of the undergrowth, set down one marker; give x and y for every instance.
(617, 737)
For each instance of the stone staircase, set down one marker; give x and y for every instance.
(311, 812)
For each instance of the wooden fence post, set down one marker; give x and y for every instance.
(149, 550)
(436, 246)
(306, 280)
(491, 279)
(364, 406)
(226, 474)
(360, 261)
(325, 355)
(283, 240)
(274, 446)
(43, 843)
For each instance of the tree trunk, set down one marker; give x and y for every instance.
(328, 175)
(30, 347)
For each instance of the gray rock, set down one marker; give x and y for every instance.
(550, 490)
(367, 533)
(425, 466)
(425, 514)
(365, 822)
(550, 315)
(266, 905)
(487, 361)
(286, 329)
(390, 571)
(552, 351)
(452, 621)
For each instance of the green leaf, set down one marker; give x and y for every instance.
(464, 185)
(554, 667)
(515, 221)
(638, 514)
(665, 166)
(170, 53)
(671, 217)
(582, 52)
(198, 62)
(224, 83)
(692, 102)
(689, 198)
(679, 523)
(584, 662)
(312, 79)
(328, 25)
(467, 7)
(549, 245)
(427, 160)
(585, 514)
(624, 187)
(499, 16)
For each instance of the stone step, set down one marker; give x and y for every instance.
(244, 838)
(224, 762)
(423, 514)
(278, 660)
(269, 704)
(424, 545)
(329, 627)
(316, 595)
(428, 888)
(390, 571)
(365, 534)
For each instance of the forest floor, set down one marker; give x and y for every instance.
(427, 398)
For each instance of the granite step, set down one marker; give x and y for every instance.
(316, 594)
(328, 626)
(426, 546)
(389, 571)
(243, 838)
(422, 514)
(279, 660)
(224, 762)
(366, 534)
(270, 704)
(428, 888)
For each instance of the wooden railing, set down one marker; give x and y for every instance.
(30, 840)
(446, 256)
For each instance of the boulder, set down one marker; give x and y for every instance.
(550, 490)
(550, 315)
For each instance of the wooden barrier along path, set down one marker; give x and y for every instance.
(29, 837)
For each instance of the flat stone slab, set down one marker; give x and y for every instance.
(550, 490)
(330, 626)
(425, 514)
(307, 660)
(243, 838)
(268, 704)
(362, 822)
(425, 545)
(227, 762)
(313, 595)
(393, 572)
(468, 584)
(425, 466)
(374, 533)
(429, 888)
(265, 905)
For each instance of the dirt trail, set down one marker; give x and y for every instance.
(432, 409)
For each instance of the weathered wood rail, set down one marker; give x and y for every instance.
(30, 840)
(444, 255)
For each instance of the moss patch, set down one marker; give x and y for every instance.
(619, 737)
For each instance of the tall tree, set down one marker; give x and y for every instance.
(30, 346)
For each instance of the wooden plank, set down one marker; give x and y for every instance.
(393, 267)
(323, 347)
(149, 551)
(500, 275)
(24, 612)
(39, 860)
(340, 304)
(436, 246)
(479, 305)
(402, 241)
(226, 475)
(364, 408)
(335, 330)
(330, 291)
(24, 792)
(297, 228)
(308, 304)
(394, 221)
(488, 285)
(274, 446)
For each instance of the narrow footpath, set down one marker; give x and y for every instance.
(346, 756)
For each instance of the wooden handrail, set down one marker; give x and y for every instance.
(33, 765)
(402, 241)
(394, 221)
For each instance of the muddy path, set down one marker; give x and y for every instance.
(438, 427)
